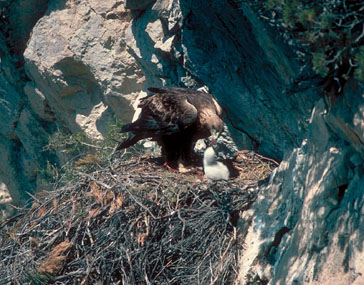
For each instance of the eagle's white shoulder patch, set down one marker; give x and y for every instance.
(218, 107)
(138, 110)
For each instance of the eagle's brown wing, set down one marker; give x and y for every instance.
(164, 114)
(188, 113)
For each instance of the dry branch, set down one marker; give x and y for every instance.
(136, 225)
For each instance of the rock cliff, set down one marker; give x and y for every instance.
(306, 225)
(74, 64)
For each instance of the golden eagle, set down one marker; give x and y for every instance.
(176, 118)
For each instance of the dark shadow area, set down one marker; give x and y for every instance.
(274, 245)
(341, 192)
(16, 23)
(225, 52)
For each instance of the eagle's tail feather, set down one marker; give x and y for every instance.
(131, 140)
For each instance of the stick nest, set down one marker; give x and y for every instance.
(132, 222)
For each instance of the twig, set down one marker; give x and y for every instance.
(267, 158)
(139, 203)
(95, 180)
(221, 261)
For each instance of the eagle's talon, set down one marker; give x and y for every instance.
(170, 168)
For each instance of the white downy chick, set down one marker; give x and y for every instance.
(214, 170)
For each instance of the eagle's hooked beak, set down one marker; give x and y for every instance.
(215, 135)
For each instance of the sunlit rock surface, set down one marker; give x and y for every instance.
(306, 225)
(78, 63)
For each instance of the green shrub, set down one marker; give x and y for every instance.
(359, 72)
(328, 34)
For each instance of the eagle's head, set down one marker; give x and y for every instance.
(215, 131)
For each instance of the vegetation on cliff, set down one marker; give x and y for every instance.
(328, 35)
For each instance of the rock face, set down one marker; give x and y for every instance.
(20, 160)
(64, 67)
(79, 67)
(306, 227)
(75, 64)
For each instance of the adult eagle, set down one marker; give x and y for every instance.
(176, 118)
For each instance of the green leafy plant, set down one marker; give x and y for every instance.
(329, 35)
(359, 72)
(319, 64)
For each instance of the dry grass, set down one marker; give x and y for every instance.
(132, 222)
